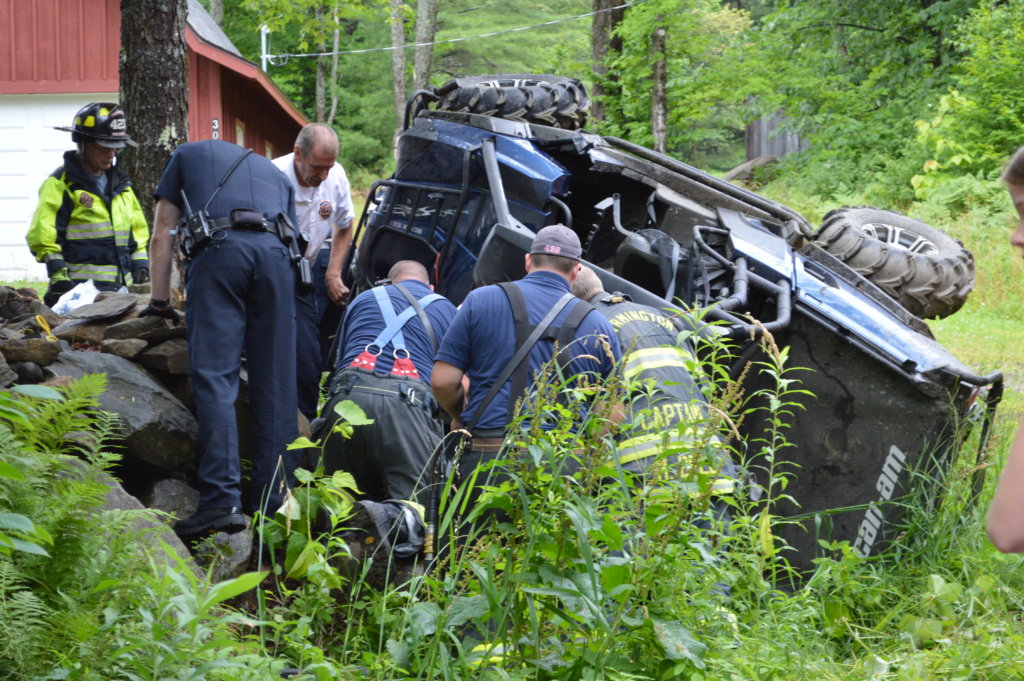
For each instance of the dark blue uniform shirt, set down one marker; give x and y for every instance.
(363, 322)
(482, 339)
(256, 183)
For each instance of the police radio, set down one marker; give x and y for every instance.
(194, 229)
(287, 234)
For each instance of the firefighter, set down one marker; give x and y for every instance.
(386, 348)
(503, 336)
(666, 405)
(89, 224)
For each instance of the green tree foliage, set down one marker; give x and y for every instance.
(561, 48)
(855, 77)
(980, 120)
(702, 46)
(363, 118)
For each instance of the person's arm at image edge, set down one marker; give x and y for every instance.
(1006, 514)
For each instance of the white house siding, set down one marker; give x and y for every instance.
(30, 149)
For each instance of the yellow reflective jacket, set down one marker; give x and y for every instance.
(99, 236)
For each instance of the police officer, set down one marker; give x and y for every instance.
(666, 407)
(386, 352)
(89, 224)
(483, 339)
(240, 294)
(323, 204)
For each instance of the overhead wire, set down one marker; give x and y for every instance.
(390, 48)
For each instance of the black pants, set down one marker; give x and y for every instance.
(388, 458)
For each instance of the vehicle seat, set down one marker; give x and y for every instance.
(387, 247)
(650, 259)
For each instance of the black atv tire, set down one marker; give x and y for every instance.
(546, 100)
(923, 269)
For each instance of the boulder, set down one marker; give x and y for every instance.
(111, 306)
(134, 328)
(156, 428)
(170, 356)
(81, 331)
(37, 350)
(173, 497)
(227, 554)
(118, 499)
(16, 306)
(28, 372)
(129, 348)
(166, 332)
(8, 376)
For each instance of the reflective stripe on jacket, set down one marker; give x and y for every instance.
(100, 237)
(667, 412)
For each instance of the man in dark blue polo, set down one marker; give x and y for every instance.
(386, 352)
(482, 341)
(387, 373)
(240, 290)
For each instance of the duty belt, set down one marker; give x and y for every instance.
(226, 223)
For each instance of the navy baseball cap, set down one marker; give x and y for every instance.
(557, 240)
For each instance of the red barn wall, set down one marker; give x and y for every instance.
(63, 46)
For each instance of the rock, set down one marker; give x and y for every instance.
(7, 375)
(27, 292)
(170, 356)
(80, 331)
(17, 307)
(172, 496)
(157, 429)
(118, 499)
(129, 348)
(167, 332)
(112, 306)
(28, 372)
(36, 350)
(228, 554)
(134, 328)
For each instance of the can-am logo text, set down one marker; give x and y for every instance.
(886, 484)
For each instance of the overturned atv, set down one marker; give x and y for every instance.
(499, 157)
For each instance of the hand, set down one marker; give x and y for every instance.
(55, 265)
(60, 283)
(161, 308)
(140, 275)
(336, 288)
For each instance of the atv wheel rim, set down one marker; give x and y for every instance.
(899, 237)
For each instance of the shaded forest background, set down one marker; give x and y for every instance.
(900, 101)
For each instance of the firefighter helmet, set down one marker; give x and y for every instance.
(103, 123)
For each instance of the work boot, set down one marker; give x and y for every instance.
(211, 521)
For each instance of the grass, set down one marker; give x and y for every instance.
(943, 604)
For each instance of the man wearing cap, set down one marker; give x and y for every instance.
(487, 332)
(89, 224)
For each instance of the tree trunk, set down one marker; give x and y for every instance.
(398, 60)
(217, 11)
(154, 89)
(321, 69)
(334, 70)
(659, 98)
(426, 29)
(605, 46)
